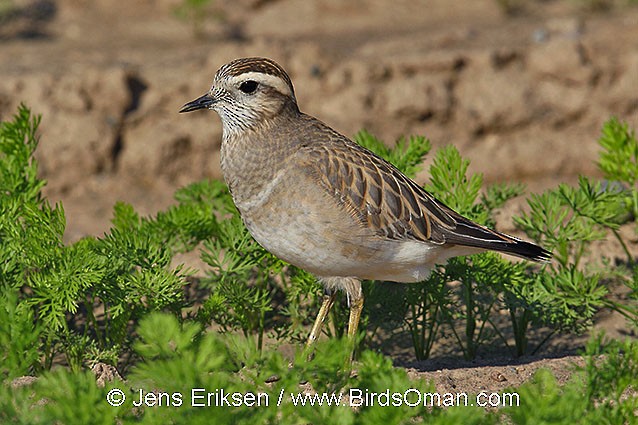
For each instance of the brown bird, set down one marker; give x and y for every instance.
(320, 201)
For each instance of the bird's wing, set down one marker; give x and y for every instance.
(392, 205)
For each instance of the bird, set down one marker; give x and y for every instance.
(321, 202)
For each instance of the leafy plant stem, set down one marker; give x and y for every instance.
(519, 325)
(630, 259)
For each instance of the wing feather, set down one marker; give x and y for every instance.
(376, 193)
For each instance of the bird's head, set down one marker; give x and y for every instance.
(247, 93)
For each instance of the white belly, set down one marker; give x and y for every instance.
(310, 247)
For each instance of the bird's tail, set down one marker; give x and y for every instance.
(468, 233)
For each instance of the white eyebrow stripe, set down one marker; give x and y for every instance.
(270, 80)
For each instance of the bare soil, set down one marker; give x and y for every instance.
(523, 96)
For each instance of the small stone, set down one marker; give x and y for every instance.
(272, 378)
(105, 373)
(498, 377)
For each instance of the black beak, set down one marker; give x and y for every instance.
(202, 102)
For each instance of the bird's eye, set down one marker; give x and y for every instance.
(248, 87)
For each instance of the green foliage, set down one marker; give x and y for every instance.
(567, 219)
(611, 370)
(72, 398)
(177, 358)
(544, 401)
(619, 160)
(19, 335)
(407, 154)
(126, 274)
(570, 298)
(183, 226)
(602, 392)
(450, 184)
(19, 170)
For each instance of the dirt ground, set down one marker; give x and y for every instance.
(523, 96)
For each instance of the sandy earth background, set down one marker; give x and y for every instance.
(523, 96)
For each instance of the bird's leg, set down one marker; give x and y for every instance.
(328, 301)
(356, 306)
(355, 301)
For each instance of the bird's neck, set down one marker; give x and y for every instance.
(253, 157)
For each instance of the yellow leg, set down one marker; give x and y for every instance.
(326, 305)
(356, 307)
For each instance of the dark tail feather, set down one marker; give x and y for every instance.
(469, 233)
(523, 249)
